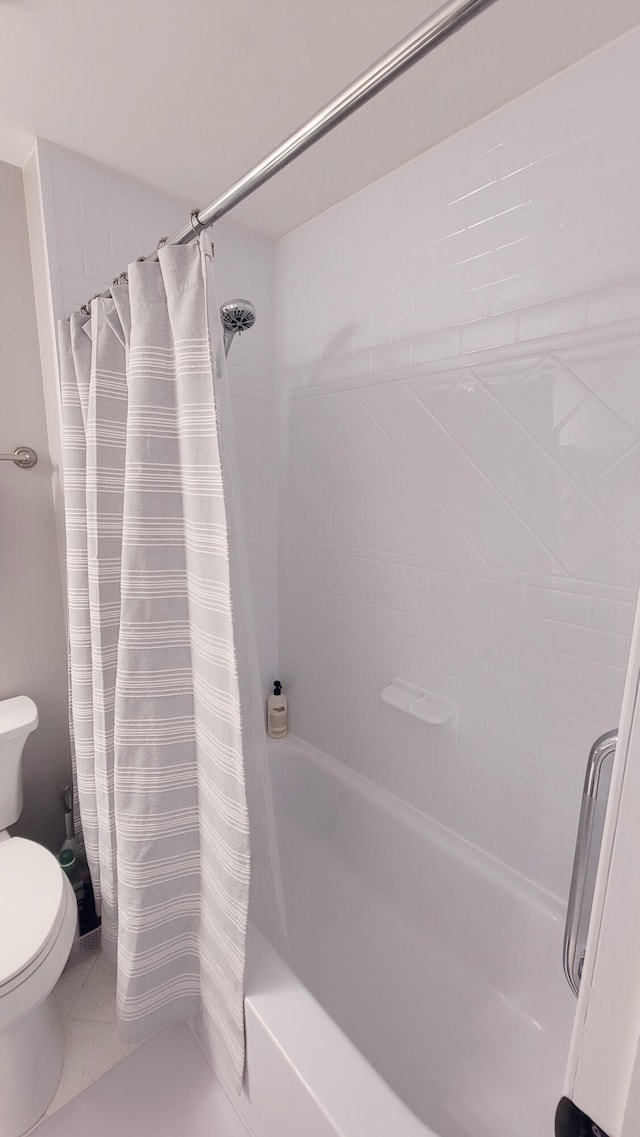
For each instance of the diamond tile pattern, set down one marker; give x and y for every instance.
(473, 530)
(526, 469)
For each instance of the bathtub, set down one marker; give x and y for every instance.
(417, 988)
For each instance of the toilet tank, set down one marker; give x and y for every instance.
(18, 717)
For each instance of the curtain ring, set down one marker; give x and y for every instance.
(161, 243)
(195, 223)
(85, 310)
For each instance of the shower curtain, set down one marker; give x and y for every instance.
(154, 685)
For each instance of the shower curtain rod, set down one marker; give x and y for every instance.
(445, 22)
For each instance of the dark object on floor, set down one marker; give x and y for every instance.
(572, 1122)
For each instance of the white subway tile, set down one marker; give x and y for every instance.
(404, 576)
(78, 289)
(421, 603)
(469, 718)
(494, 648)
(512, 790)
(419, 651)
(494, 332)
(574, 163)
(612, 615)
(532, 770)
(557, 604)
(612, 304)
(371, 335)
(452, 584)
(581, 704)
(554, 724)
(463, 309)
(442, 632)
(497, 593)
(512, 735)
(382, 594)
(592, 644)
(390, 358)
(515, 682)
(558, 839)
(522, 627)
(441, 345)
(395, 299)
(462, 667)
(500, 264)
(475, 617)
(549, 319)
(602, 679)
(471, 176)
(415, 322)
(71, 259)
(485, 750)
(558, 812)
(84, 234)
(405, 622)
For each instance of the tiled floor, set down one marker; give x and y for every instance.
(165, 1088)
(86, 998)
(162, 1088)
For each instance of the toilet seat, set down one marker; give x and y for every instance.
(38, 904)
(31, 903)
(39, 918)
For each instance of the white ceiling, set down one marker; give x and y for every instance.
(188, 95)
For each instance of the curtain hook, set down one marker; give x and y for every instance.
(161, 243)
(195, 222)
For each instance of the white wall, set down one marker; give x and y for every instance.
(457, 356)
(32, 634)
(96, 221)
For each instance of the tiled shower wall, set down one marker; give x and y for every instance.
(458, 358)
(96, 222)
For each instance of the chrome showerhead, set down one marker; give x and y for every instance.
(237, 316)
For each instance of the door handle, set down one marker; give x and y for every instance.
(585, 862)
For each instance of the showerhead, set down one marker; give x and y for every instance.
(237, 316)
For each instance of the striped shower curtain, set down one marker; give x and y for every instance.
(155, 703)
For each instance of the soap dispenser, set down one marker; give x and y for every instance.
(277, 712)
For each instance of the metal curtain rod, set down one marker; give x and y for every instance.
(445, 22)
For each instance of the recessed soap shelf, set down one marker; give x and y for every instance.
(425, 705)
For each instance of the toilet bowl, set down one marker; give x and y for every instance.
(38, 915)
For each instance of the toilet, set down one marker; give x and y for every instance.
(38, 919)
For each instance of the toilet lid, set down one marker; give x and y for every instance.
(31, 896)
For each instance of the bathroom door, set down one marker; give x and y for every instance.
(603, 1071)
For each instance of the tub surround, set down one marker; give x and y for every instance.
(457, 348)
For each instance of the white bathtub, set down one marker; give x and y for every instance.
(421, 991)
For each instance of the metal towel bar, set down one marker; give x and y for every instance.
(585, 863)
(22, 456)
